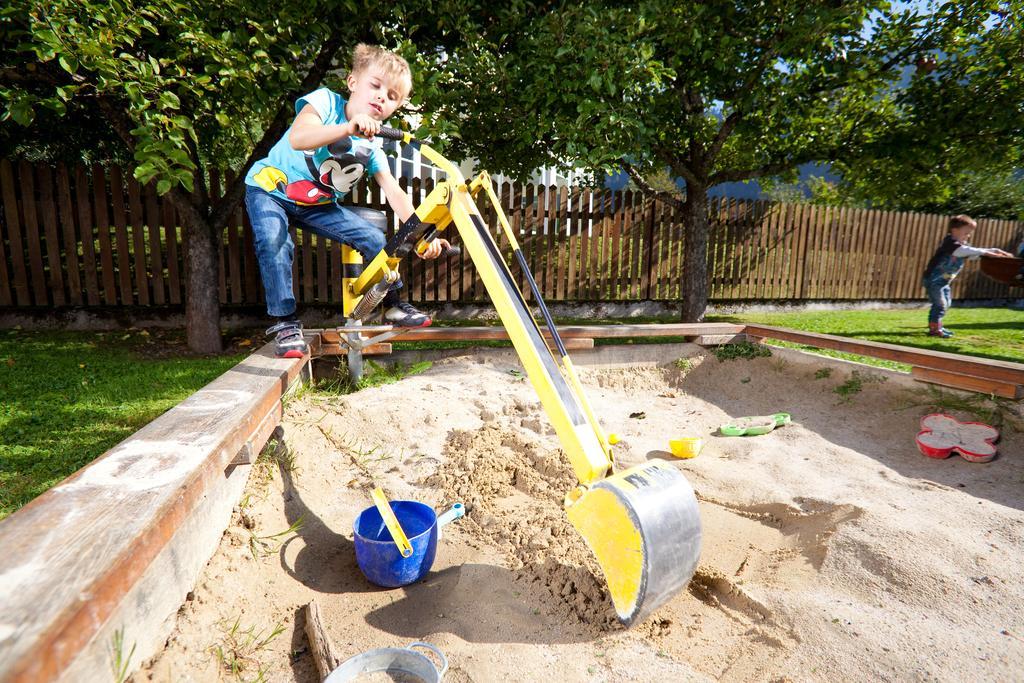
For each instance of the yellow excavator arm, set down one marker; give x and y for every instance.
(641, 523)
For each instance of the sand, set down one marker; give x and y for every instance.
(832, 549)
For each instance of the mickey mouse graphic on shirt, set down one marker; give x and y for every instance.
(337, 172)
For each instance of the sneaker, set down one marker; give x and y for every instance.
(289, 341)
(404, 314)
(944, 333)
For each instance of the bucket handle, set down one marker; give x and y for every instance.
(444, 660)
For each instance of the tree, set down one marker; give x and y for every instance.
(715, 91)
(181, 86)
(958, 145)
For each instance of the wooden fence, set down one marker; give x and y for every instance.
(95, 237)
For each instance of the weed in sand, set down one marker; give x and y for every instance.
(363, 456)
(993, 410)
(374, 375)
(262, 546)
(823, 373)
(854, 384)
(119, 662)
(276, 455)
(744, 350)
(683, 364)
(238, 647)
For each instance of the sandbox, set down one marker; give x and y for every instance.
(833, 550)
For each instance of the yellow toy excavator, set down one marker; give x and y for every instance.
(641, 523)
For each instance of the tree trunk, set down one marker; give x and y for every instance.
(202, 295)
(695, 254)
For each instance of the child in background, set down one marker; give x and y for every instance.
(324, 153)
(945, 264)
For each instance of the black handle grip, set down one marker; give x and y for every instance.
(391, 133)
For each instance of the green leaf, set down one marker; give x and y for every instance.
(168, 100)
(68, 64)
(22, 113)
(163, 186)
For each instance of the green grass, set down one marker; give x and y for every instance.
(996, 333)
(67, 397)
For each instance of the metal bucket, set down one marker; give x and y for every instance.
(412, 665)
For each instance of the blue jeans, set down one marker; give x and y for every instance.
(940, 296)
(275, 249)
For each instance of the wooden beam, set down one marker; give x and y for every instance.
(325, 655)
(1001, 371)
(968, 382)
(385, 348)
(567, 332)
(118, 544)
(719, 339)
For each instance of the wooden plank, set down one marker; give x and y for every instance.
(719, 339)
(825, 270)
(87, 237)
(753, 224)
(561, 243)
(585, 275)
(22, 288)
(647, 258)
(1003, 371)
(598, 243)
(550, 253)
(138, 223)
(799, 257)
(155, 256)
(594, 208)
(102, 222)
(74, 554)
(253, 283)
(870, 264)
(32, 228)
(123, 253)
(779, 216)
(861, 261)
(665, 251)
(957, 380)
(48, 209)
(618, 244)
(573, 332)
(676, 264)
(67, 221)
(170, 225)
(6, 298)
(839, 253)
(236, 257)
(780, 249)
(214, 190)
(574, 235)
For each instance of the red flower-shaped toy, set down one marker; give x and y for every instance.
(940, 435)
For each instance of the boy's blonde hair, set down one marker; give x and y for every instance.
(394, 66)
(961, 221)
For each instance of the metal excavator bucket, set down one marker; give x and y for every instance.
(643, 526)
(643, 523)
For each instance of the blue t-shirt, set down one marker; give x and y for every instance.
(322, 175)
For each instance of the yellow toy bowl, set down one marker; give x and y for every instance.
(686, 447)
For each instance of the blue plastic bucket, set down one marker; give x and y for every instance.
(378, 555)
